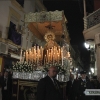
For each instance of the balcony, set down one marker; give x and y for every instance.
(92, 25)
(92, 19)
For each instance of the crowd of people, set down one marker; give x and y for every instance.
(50, 89)
(75, 88)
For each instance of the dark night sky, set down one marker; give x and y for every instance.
(74, 13)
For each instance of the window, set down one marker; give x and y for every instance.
(13, 35)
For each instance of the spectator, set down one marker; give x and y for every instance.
(6, 86)
(48, 87)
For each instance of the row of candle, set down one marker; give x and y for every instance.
(53, 55)
(37, 54)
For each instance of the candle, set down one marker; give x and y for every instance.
(35, 54)
(47, 55)
(37, 58)
(32, 58)
(49, 58)
(51, 55)
(42, 53)
(44, 59)
(62, 56)
(68, 54)
(26, 55)
(58, 58)
(21, 55)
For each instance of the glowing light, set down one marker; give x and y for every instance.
(89, 73)
(76, 69)
(92, 70)
(86, 45)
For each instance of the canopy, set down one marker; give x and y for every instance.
(41, 22)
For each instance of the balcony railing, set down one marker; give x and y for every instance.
(92, 19)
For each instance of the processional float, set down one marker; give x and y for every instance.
(34, 62)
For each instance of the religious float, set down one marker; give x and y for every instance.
(34, 62)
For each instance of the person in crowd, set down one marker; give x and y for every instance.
(76, 76)
(95, 82)
(96, 85)
(87, 78)
(6, 86)
(71, 88)
(83, 83)
(98, 78)
(49, 88)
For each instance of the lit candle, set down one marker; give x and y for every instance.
(51, 55)
(37, 58)
(44, 59)
(21, 55)
(35, 54)
(47, 55)
(32, 58)
(42, 53)
(58, 58)
(26, 56)
(68, 54)
(62, 55)
(49, 58)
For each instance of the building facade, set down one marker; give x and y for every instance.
(92, 35)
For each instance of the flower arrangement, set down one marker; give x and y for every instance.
(23, 67)
(29, 67)
(61, 69)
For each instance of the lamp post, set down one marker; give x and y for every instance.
(92, 70)
(87, 46)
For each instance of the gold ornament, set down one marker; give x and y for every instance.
(49, 36)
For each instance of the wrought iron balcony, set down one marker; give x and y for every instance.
(92, 19)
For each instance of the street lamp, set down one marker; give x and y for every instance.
(76, 69)
(86, 45)
(92, 70)
(89, 73)
(89, 44)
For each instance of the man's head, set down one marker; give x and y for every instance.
(52, 72)
(83, 74)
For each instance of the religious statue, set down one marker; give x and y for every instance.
(50, 37)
